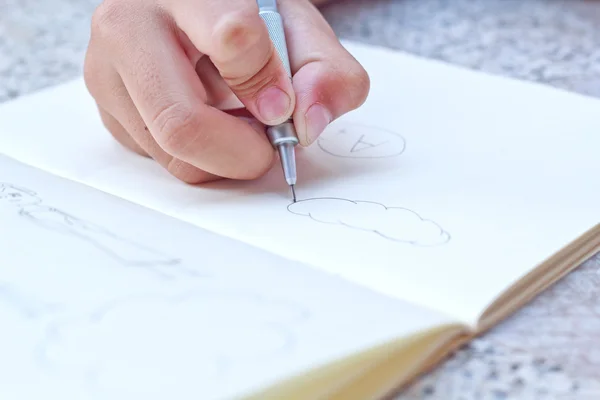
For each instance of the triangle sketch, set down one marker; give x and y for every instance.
(362, 145)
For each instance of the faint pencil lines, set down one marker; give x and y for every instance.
(27, 306)
(154, 335)
(125, 251)
(356, 141)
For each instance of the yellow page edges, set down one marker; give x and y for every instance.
(370, 374)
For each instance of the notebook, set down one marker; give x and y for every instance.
(444, 204)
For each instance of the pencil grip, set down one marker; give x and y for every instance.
(274, 24)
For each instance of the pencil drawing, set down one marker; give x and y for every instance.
(30, 206)
(152, 339)
(391, 223)
(347, 140)
(26, 305)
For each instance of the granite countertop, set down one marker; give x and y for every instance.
(548, 350)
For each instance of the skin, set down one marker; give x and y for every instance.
(192, 83)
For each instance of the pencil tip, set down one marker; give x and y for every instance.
(293, 192)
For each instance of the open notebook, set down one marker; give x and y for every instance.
(443, 204)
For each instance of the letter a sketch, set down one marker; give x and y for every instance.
(391, 223)
(347, 140)
(30, 206)
(361, 144)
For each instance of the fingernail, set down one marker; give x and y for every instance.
(273, 104)
(317, 119)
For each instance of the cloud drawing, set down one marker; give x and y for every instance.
(391, 223)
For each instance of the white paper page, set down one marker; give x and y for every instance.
(482, 177)
(104, 299)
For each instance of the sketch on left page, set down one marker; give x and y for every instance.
(127, 252)
(165, 353)
(28, 306)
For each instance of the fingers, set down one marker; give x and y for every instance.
(219, 94)
(164, 89)
(120, 133)
(154, 100)
(328, 81)
(125, 124)
(237, 41)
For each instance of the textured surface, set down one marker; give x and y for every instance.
(550, 349)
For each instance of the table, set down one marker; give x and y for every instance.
(548, 350)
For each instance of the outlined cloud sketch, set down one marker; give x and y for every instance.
(391, 223)
(125, 251)
(348, 140)
(165, 354)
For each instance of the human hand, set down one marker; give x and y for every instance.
(191, 83)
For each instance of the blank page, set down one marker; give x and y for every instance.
(444, 189)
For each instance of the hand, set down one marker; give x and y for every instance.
(191, 83)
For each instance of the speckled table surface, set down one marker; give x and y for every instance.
(548, 350)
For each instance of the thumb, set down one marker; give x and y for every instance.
(237, 41)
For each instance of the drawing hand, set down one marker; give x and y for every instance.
(167, 75)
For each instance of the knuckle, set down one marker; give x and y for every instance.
(102, 82)
(186, 172)
(106, 17)
(358, 83)
(237, 33)
(177, 125)
(251, 86)
(90, 75)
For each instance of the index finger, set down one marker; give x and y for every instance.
(170, 98)
(236, 39)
